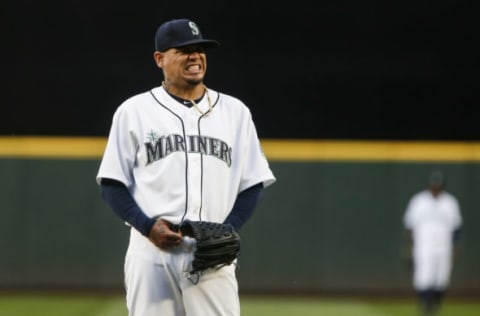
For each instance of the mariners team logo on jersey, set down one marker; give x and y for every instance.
(159, 147)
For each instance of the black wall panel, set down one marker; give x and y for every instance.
(333, 69)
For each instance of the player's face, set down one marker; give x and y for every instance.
(436, 188)
(184, 65)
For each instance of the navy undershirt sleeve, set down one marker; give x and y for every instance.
(456, 235)
(244, 206)
(117, 196)
(122, 203)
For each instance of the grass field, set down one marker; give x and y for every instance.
(113, 305)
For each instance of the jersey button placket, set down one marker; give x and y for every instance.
(191, 125)
(195, 167)
(195, 180)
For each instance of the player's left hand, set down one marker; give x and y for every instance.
(217, 244)
(163, 236)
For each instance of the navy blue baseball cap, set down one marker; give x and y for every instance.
(437, 178)
(180, 32)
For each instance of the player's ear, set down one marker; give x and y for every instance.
(158, 57)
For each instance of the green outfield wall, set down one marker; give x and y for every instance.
(331, 223)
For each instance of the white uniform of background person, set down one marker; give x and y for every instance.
(432, 220)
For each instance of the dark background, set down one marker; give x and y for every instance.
(329, 69)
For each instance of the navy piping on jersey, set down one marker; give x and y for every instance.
(186, 102)
(201, 171)
(189, 104)
(186, 153)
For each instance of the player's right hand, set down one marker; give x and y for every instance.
(163, 236)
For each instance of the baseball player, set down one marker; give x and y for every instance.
(180, 151)
(433, 222)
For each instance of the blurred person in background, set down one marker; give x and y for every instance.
(432, 221)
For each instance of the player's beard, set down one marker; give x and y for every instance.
(194, 82)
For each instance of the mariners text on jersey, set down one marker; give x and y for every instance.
(160, 147)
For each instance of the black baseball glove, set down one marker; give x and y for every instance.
(217, 244)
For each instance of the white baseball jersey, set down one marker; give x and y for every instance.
(180, 164)
(432, 221)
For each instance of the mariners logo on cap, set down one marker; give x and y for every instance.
(194, 28)
(180, 32)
